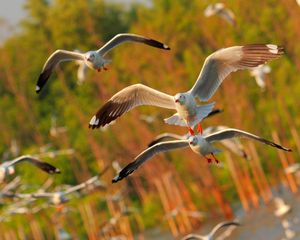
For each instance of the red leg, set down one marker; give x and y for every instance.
(105, 69)
(191, 131)
(199, 128)
(99, 69)
(214, 158)
(208, 159)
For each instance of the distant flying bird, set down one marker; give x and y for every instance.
(82, 70)
(210, 236)
(260, 75)
(293, 168)
(216, 68)
(220, 10)
(199, 144)
(93, 59)
(281, 207)
(233, 144)
(60, 197)
(8, 168)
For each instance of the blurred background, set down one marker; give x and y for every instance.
(174, 193)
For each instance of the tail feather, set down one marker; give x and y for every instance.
(175, 120)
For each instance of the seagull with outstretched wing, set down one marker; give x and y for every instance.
(220, 10)
(216, 68)
(8, 167)
(93, 59)
(233, 144)
(199, 144)
(210, 236)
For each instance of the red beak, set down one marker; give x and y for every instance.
(177, 100)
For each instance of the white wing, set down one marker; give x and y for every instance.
(149, 153)
(127, 99)
(235, 133)
(221, 225)
(221, 63)
(57, 57)
(128, 37)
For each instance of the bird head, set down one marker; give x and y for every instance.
(180, 98)
(193, 140)
(90, 56)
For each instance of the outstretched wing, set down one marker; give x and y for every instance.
(221, 63)
(147, 154)
(165, 137)
(127, 99)
(129, 37)
(235, 133)
(193, 236)
(222, 225)
(56, 57)
(46, 167)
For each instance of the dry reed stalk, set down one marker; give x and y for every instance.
(284, 162)
(239, 187)
(166, 206)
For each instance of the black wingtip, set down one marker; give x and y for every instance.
(116, 179)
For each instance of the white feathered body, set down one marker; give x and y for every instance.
(203, 147)
(189, 113)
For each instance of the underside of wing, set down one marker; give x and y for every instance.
(148, 154)
(57, 57)
(236, 133)
(221, 63)
(129, 37)
(127, 99)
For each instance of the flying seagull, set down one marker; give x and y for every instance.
(8, 168)
(60, 197)
(210, 236)
(259, 73)
(233, 144)
(199, 144)
(220, 10)
(93, 59)
(216, 68)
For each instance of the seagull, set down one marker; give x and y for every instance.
(233, 144)
(8, 168)
(93, 59)
(216, 68)
(199, 144)
(281, 207)
(60, 197)
(210, 235)
(260, 75)
(220, 10)
(293, 168)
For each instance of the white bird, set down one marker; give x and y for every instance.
(293, 168)
(199, 144)
(216, 68)
(220, 10)
(8, 168)
(82, 70)
(210, 236)
(281, 207)
(233, 144)
(93, 59)
(60, 197)
(260, 75)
